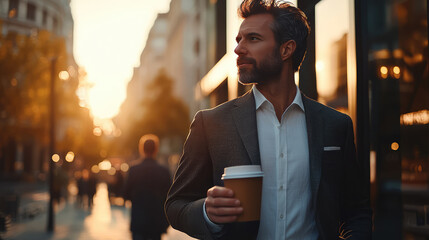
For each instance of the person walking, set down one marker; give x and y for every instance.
(313, 185)
(146, 186)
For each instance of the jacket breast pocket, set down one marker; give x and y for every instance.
(331, 166)
(332, 156)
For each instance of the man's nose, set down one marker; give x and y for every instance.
(240, 49)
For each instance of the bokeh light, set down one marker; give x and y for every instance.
(95, 169)
(97, 131)
(125, 167)
(64, 75)
(383, 71)
(394, 146)
(70, 156)
(56, 157)
(111, 171)
(105, 165)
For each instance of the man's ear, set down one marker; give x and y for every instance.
(287, 49)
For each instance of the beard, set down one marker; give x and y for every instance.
(268, 68)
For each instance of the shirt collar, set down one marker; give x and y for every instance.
(260, 98)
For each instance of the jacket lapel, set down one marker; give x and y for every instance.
(244, 115)
(315, 142)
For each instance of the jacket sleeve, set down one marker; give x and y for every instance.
(184, 205)
(356, 211)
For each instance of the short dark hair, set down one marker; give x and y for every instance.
(148, 145)
(290, 23)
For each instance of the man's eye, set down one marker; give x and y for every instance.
(254, 38)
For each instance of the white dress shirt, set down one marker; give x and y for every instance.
(286, 209)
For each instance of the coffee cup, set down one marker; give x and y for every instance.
(246, 182)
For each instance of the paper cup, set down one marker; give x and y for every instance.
(246, 182)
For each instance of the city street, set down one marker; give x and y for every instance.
(103, 221)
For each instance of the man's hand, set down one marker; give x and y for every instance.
(221, 206)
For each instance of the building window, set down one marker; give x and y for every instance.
(54, 25)
(220, 29)
(31, 12)
(44, 17)
(13, 8)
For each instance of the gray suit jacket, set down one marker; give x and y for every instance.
(227, 136)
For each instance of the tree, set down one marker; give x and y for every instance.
(163, 114)
(26, 67)
(25, 64)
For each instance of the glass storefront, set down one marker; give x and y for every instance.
(399, 108)
(395, 48)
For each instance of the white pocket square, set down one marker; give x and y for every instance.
(331, 148)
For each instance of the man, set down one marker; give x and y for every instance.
(313, 186)
(147, 186)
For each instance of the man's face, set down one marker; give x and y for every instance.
(258, 53)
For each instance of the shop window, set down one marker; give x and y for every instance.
(332, 28)
(399, 108)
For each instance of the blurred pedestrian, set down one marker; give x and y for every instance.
(147, 186)
(92, 188)
(80, 183)
(115, 186)
(61, 182)
(86, 186)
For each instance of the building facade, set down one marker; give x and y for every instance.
(26, 17)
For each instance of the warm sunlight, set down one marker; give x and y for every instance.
(109, 36)
(327, 37)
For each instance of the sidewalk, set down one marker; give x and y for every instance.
(103, 222)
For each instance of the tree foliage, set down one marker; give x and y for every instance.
(164, 114)
(26, 66)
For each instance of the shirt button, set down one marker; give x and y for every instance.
(281, 216)
(281, 187)
(281, 155)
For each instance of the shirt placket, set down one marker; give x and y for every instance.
(281, 175)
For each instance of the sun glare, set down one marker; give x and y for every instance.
(104, 102)
(108, 41)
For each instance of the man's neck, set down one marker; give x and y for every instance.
(280, 93)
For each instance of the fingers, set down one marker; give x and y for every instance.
(221, 206)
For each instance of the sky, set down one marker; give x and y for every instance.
(109, 36)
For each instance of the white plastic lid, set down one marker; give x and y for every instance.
(243, 171)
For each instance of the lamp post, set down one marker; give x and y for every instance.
(51, 220)
(63, 75)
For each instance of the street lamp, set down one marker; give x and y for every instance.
(63, 75)
(50, 226)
